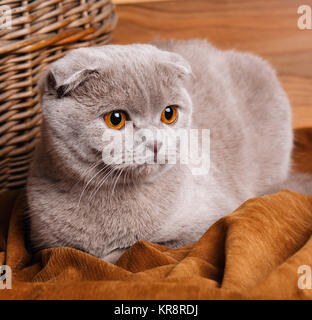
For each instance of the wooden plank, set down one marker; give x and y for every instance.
(136, 1)
(267, 28)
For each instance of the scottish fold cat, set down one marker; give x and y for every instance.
(77, 198)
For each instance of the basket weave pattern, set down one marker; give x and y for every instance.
(41, 32)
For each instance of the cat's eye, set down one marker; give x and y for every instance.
(169, 114)
(115, 119)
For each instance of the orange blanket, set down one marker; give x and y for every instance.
(253, 253)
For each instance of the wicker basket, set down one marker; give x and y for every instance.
(41, 32)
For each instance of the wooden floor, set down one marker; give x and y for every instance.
(268, 28)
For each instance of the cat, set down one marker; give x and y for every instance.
(77, 200)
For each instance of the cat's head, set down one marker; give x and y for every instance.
(92, 93)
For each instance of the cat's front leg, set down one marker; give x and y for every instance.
(174, 244)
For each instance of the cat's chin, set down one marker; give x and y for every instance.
(161, 169)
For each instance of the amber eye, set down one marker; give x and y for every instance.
(169, 114)
(115, 119)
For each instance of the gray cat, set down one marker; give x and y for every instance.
(76, 199)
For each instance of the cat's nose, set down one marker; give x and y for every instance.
(155, 146)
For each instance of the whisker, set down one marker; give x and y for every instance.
(86, 186)
(86, 172)
(103, 180)
(116, 181)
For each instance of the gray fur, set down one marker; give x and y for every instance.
(235, 95)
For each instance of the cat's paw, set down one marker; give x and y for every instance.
(114, 255)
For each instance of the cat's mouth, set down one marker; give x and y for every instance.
(139, 172)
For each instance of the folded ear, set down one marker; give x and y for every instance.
(180, 65)
(60, 86)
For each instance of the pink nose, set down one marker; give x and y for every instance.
(156, 146)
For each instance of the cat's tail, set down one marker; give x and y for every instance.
(298, 182)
